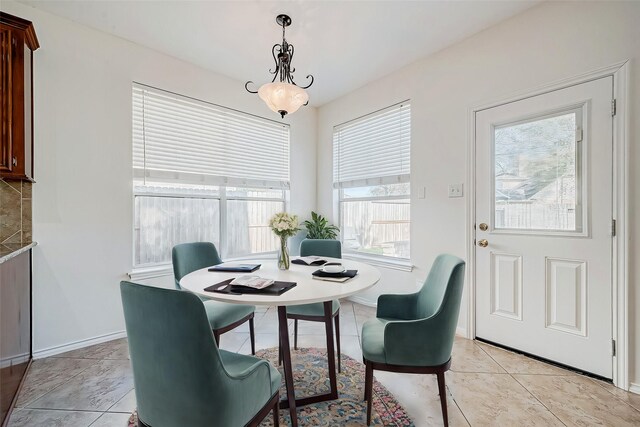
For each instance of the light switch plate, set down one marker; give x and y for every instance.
(455, 190)
(422, 193)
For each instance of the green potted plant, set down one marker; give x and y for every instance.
(319, 228)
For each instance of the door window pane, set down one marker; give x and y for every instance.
(537, 174)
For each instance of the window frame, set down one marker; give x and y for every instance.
(221, 183)
(339, 187)
(581, 112)
(400, 263)
(223, 198)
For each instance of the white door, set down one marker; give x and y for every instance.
(544, 227)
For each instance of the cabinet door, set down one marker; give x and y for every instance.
(17, 43)
(6, 106)
(15, 326)
(27, 118)
(13, 161)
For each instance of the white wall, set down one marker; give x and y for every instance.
(82, 209)
(545, 44)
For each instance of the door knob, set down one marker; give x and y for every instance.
(483, 243)
(483, 227)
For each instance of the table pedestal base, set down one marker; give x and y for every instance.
(291, 402)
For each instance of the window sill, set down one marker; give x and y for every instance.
(394, 264)
(261, 255)
(142, 273)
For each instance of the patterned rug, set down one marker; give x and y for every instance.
(310, 377)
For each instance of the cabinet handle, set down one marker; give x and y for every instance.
(15, 161)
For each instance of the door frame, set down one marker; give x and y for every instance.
(620, 207)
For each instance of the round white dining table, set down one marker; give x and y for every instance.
(307, 290)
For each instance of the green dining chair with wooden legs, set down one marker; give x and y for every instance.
(180, 376)
(414, 333)
(223, 317)
(314, 312)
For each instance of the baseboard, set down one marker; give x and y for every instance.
(363, 301)
(58, 349)
(14, 360)
(634, 388)
(461, 332)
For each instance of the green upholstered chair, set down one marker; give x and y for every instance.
(181, 378)
(223, 317)
(315, 312)
(414, 333)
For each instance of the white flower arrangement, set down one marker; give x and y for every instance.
(284, 225)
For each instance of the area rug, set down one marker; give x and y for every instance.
(311, 377)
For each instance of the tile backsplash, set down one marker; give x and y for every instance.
(15, 212)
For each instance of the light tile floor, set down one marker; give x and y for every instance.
(487, 386)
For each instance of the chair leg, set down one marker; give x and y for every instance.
(279, 349)
(276, 413)
(252, 335)
(283, 327)
(337, 323)
(295, 334)
(368, 389)
(216, 336)
(442, 390)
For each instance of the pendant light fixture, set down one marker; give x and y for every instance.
(285, 96)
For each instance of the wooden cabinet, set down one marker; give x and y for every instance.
(17, 42)
(15, 328)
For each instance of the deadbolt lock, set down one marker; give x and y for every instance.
(483, 227)
(483, 243)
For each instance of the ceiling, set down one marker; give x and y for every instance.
(344, 44)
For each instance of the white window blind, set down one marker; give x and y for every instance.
(180, 139)
(374, 149)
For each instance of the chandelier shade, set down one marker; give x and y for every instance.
(285, 96)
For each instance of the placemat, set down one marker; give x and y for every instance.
(277, 288)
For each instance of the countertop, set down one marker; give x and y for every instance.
(10, 250)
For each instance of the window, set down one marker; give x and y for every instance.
(371, 171)
(537, 173)
(204, 173)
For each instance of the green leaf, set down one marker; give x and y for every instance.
(319, 228)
